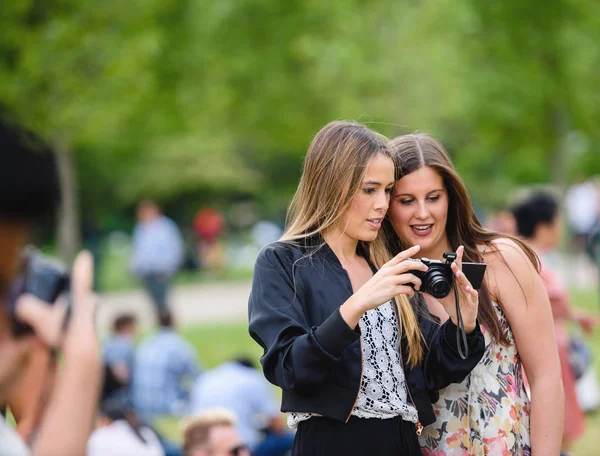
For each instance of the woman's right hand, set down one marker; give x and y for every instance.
(392, 279)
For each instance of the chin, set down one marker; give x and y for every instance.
(368, 236)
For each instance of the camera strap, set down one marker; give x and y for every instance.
(461, 333)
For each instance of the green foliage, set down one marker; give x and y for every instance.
(172, 98)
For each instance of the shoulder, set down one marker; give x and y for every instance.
(506, 252)
(509, 267)
(280, 253)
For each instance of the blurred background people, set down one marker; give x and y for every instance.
(213, 433)
(539, 223)
(238, 386)
(119, 432)
(208, 225)
(582, 207)
(118, 353)
(157, 252)
(164, 370)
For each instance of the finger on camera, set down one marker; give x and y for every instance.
(470, 290)
(45, 319)
(462, 279)
(409, 265)
(406, 290)
(404, 255)
(82, 276)
(409, 278)
(459, 256)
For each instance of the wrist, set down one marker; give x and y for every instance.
(352, 311)
(469, 328)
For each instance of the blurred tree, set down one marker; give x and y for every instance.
(193, 98)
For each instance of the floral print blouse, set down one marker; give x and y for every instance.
(486, 414)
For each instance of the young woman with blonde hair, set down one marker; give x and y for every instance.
(489, 412)
(357, 366)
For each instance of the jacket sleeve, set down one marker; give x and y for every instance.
(443, 364)
(296, 355)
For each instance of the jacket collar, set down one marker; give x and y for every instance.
(317, 245)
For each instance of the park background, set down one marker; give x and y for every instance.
(213, 103)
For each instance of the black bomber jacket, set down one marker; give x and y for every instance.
(314, 356)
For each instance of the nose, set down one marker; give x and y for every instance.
(422, 211)
(383, 201)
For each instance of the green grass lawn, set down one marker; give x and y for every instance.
(217, 343)
(113, 273)
(589, 445)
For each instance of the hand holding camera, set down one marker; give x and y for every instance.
(465, 278)
(397, 276)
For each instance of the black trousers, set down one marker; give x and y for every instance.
(321, 436)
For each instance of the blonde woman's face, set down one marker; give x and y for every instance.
(362, 220)
(419, 211)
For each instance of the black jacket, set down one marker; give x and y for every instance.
(314, 356)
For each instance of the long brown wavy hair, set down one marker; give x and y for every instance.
(333, 173)
(415, 151)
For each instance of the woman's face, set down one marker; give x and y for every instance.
(419, 211)
(362, 220)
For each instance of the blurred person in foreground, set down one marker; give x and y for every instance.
(213, 433)
(238, 386)
(157, 252)
(164, 370)
(118, 352)
(67, 394)
(539, 223)
(119, 432)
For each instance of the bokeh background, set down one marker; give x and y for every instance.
(200, 104)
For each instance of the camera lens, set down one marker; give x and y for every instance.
(436, 284)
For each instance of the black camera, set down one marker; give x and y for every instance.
(43, 277)
(439, 278)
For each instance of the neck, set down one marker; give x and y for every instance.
(342, 245)
(436, 252)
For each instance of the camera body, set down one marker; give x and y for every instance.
(438, 279)
(43, 277)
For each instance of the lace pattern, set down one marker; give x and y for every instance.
(383, 393)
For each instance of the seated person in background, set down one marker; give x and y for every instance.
(120, 433)
(213, 433)
(238, 386)
(164, 369)
(117, 354)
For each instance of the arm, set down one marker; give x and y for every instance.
(521, 293)
(295, 354)
(443, 365)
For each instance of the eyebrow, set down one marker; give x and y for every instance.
(429, 193)
(372, 182)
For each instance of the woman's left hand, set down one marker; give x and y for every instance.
(468, 297)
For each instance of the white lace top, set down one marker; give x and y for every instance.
(383, 392)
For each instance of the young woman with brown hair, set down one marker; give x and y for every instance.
(489, 412)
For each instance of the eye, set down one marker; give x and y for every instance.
(369, 191)
(406, 201)
(434, 198)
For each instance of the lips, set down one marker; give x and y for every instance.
(421, 230)
(375, 223)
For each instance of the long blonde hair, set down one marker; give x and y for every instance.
(333, 172)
